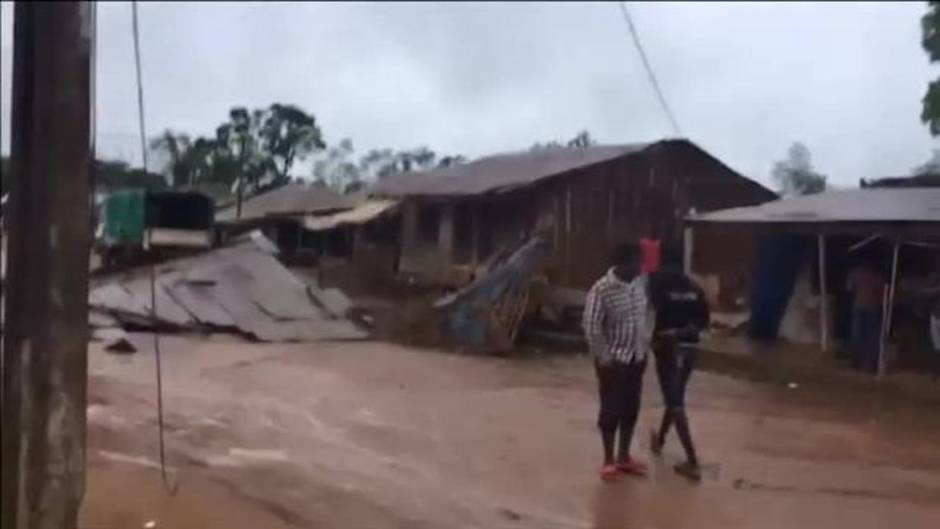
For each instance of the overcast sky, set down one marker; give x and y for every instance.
(744, 80)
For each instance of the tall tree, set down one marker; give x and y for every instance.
(289, 134)
(930, 24)
(795, 175)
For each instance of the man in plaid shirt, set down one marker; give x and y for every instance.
(618, 325)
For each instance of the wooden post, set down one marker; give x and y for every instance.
(687, 249)
(445, 236)
(45, 335)
(475, 235)
(409, 234)
(888, 312)
(823, 296)
(568, 274)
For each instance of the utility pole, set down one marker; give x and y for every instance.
(49, 233)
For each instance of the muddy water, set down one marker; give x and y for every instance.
(375, 435)
(126, 496)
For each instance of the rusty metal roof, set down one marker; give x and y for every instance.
(501, 171)
(291, 199)
(871, 205)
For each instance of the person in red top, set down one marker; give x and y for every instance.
(867, 286)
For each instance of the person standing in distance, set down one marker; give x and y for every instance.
(618, 330)
(682, 313)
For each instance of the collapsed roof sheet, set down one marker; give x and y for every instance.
(241, 287)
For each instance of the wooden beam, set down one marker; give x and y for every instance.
(888, 312)
(823, 295)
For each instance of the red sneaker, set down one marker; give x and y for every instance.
(609, 472)
(632, 466)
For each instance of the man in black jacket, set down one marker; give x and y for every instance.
(681, 314)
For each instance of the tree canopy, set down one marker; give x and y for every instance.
(930, 25)
(795, 175)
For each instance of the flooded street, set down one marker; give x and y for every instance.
(367, 434)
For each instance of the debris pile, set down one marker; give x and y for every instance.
(241, 288)
(484, 316)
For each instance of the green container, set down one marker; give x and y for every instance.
(125, 217)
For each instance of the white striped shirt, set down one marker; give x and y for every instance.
(618, 321)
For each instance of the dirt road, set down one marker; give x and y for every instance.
(375, 435)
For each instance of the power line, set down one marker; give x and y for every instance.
(153, 268)
(649, 69)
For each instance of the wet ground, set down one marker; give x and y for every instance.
(374, 435)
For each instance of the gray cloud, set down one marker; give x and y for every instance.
(745, 80)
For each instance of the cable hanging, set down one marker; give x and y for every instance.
(649, 69)
(171, 488)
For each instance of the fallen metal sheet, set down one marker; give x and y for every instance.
(332, 300)
(114, 298)
(198, 299)
(240, 287)
(168, 310)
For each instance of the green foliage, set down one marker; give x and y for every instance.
(930, 26)
(257, 148)
(288, 134)
(796, 175)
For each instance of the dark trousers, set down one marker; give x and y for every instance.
(674, 366)
(866, 338)
(619, 385)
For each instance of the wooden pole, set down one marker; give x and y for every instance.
(823, 296)
(46, 313)
(888, 312)
(475, 235)
(687, 249)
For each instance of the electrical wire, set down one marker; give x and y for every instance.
(171, 488)
(649, 69)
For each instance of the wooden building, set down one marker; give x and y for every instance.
(280, 214)
(587, 199)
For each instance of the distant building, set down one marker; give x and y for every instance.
(279, 213)
(924, 180)
(586, 198)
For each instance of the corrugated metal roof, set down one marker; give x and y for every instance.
(923, 180)
(241, 286)
(358, 215)
(491, 173)
(919, 205)
(292, 199)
